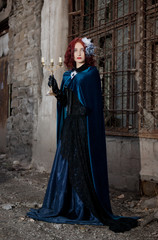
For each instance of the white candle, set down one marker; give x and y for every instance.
(60, 59)
(42, 59)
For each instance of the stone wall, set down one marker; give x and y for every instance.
(24, 75)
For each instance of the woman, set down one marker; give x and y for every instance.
(78, 191)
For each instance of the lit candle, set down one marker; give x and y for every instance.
(42, 59)
(60, 59)
(52, 61)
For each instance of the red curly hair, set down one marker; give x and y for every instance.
(69, 55)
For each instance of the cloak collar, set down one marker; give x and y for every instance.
(77, 70)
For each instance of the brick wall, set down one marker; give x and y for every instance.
(25, 76)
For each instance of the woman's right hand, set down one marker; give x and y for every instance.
(58, 93)
(53, 83)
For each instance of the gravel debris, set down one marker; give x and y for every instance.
(24, 189)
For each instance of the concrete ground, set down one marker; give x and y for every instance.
(22, 189)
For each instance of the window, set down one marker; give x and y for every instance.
(75, 25)
(127, 59)
(154, 1)
(88, 14)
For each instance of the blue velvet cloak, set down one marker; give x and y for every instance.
(87, 86)
(61, 203)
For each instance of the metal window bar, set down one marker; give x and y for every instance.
(126, 35)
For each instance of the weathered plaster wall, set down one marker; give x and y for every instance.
(54, 32)
(131, 160)
(25, 76)
(123, 154)
(149, 159)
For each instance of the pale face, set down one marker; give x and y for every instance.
(79, 54)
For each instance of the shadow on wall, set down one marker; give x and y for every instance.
(124, 162)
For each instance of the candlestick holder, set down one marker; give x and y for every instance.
(51, 68)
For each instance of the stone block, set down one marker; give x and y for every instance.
(30, 37)
(15, 84)
(22, 91)
(27, 118)
(23, 45)
(21, 35)
(16, 122)
(20, 149)
(24, 126)
(30, 91)
(28, 127)
(12, 150)
(9, 126)
(18, 55)
(16, 38)
(14, 140)
(35, 90)
(14, 92)
(35, 109)
(15, 111)
(19, 67)
(27, 81)
(28, 52)
(36, 64)
(28, 66)
(24, 24)
(149, 188)
(14, 103)
(25, 138)
(24, 109)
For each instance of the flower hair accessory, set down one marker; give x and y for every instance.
(89, 46)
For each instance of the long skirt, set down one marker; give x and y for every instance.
(62, 204)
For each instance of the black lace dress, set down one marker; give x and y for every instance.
(74, 148)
